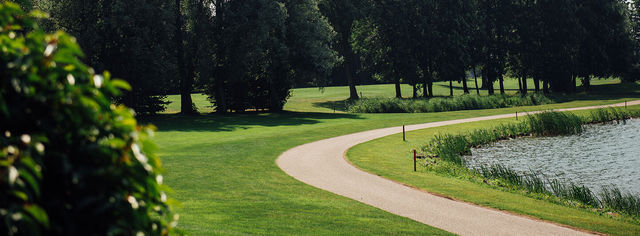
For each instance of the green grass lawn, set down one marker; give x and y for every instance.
(222, 168)
(391, 158)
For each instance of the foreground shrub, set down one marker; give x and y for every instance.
(464, 102)
(71, 162)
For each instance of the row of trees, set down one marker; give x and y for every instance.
(244, 54)
(553, 41)
(249, 54)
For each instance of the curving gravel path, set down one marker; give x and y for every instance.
(322, 164)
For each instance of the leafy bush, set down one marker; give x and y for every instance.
(71, 162)
(464, 102)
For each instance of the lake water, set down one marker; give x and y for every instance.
(603, 155)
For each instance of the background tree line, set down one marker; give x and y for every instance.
(247, 55)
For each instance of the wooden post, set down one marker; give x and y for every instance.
(403, 135)
(625, 104)
(516, 115)
(414, 160)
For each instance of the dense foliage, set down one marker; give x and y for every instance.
(263, 48)
(127, 37)
(247, 55)
(556, 42)
(71, 162)
(465, 102)
(244, 54)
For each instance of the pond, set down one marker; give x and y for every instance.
(601, 156)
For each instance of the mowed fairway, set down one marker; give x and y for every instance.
(222, 168)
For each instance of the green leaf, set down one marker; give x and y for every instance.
(19, 194)
(38, 214)
(121, 84)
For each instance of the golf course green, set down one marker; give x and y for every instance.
(223, 174)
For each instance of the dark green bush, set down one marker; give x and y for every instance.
(71, 162)
(464, 102)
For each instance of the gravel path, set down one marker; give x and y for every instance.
(322, 164)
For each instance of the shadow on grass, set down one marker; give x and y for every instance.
(231, 122)
(341, 105)
(472, 89)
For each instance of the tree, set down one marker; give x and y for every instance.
(263, 47)
(309, 39)
(342, 14)
(453, 27)
(129, 37)
(561, 32)
(496, 16)
(634, 31)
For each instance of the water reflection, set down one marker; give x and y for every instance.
(603, 155)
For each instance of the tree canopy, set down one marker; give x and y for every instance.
(247, 55)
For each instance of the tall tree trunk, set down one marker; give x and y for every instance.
(464, 85)
(451, 88)
(425, 92)
(415, 91)
(501, 84)
(219, 72)
(545, 87)
(524, 84)
(536, 83)
(221, 97)
(520, 85)
(186, 83)
(430, 86)
(475, 77)
(574, 86)
(490, 89)
(586, 83)
(398, 89)
(485, 80)
(353, 92)
(348, 57)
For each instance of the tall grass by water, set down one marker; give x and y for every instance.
(440, 104)
(451, 148)
(610, 198)
(554, 123)
(612, 114)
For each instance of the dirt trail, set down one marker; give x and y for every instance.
(322, 164)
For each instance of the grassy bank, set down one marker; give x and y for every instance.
(451, 148)
(390, 157)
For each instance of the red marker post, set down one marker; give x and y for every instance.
(414, 160)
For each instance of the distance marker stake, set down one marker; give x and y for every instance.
(414, 160)
(403, 135)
